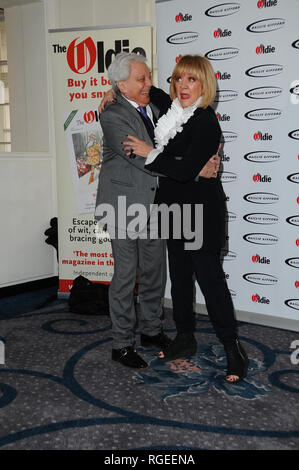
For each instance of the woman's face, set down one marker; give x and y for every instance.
(188, 89)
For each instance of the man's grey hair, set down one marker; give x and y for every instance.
(119, 69)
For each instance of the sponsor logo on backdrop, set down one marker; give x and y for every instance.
(260, 136)
(228, 255)
(223, 53)
(226, 95)
(224, 9)
(265, 70)
(82, 56)
(258, 259)
(227, 176)
(294, 90)
(230, 216)
(263, 156)
(260, 278)
(295, 44)
(264, 26)
(233, 293)
(296, 284)
(223, 117)
(263, 114)
(261, 198)
(258, 178)
(180, 17)
(294, 134)
(264, 92)
(222, 76)
(260, 300)
(183, 38)
(266, 3)
(222, 33)
(294, 178)
(228, 136)
(292, 303)
(261, 238)
(261, 218)
(261, 49)
(293, 220)
(293, 262)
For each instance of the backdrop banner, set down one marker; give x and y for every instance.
(80, 59)
(253, 47)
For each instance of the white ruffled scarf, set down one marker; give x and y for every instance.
(170, 124)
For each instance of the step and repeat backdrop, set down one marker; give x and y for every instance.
(253, 46)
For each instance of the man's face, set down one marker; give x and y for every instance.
(138, 85)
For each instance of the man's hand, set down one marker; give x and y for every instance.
(211, 168)
(109, 97)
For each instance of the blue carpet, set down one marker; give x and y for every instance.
(60, 390)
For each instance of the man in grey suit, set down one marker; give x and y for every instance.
(123, 182)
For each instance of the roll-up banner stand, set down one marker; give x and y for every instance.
(80, 58)
(253, 46)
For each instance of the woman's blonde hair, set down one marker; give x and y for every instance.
(201, 69)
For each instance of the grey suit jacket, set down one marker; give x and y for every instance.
(123, 179)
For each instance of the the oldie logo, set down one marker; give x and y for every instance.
(224, 9)
(295, 44)
(261, 300)
(222, 33)
(266, 70)
(263, 156)
(294, 178)
(183, 17)
(183, 38)
(227, 176)
(226, 95)
(222, 76)
(264, 92)
(261, 218)
(223, 117)
(293, 262)
(262, 260)
(258, 178)
(261, 238)
(292, 303)
(263, 114)
(228, 136)
(293, 220)
(89, 117)
(262, 49)
(294, 134)
(82, 56)
(266, 3)
(261, 198)
(260, 136)
(260, 278)
(264, 26)
(223, 53)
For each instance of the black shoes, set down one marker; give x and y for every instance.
(237, 361)
(183, 346)
(128, 357)
(160, 340)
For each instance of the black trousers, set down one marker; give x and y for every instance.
(206, 266)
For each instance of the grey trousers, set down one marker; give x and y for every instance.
(129, 255)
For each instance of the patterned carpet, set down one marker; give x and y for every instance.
(60, 390)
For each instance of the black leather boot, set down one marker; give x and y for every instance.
(237, 361)
(183, 346)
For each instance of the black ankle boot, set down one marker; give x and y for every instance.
(183, 346)
(237, 360)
